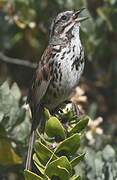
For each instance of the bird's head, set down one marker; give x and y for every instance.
(66, 21)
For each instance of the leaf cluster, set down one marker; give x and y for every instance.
(14, 124)
(101, 165)
(56, 152)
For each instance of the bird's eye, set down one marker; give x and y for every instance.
(64, 17)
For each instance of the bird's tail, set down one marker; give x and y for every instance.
(30, 149)
(37, 121)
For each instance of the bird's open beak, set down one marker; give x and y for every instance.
(79, 19)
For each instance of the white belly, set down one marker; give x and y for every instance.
(69, 79)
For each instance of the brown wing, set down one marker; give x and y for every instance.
(41, 81)
(41, 78)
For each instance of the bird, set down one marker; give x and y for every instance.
(58, 71)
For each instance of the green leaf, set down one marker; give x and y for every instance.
(76, 160)
(69, 145)
(60, 168)
(54, 128)
(43, 152)
(75, 178)
(7, 153)
(31, 176)
(47, 114)
(81, 125)
(67, 113)
(38, 164)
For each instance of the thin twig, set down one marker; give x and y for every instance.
(17, 61)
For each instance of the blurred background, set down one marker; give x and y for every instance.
(24, 30)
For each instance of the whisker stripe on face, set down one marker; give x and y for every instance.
(65, 26)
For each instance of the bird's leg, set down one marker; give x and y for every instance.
(76, 109)
(58, 108)
(30, 149)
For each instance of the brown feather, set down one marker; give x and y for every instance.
(41, 78)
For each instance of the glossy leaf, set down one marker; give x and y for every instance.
(60, 167)
(81, 125)
(75, 178)
(38, 164)
(47, 114)
(43, 152)
(31, 176)
(76, 160)
(70, 145)
(54, 128)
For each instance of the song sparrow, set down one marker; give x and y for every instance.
(58, 71)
